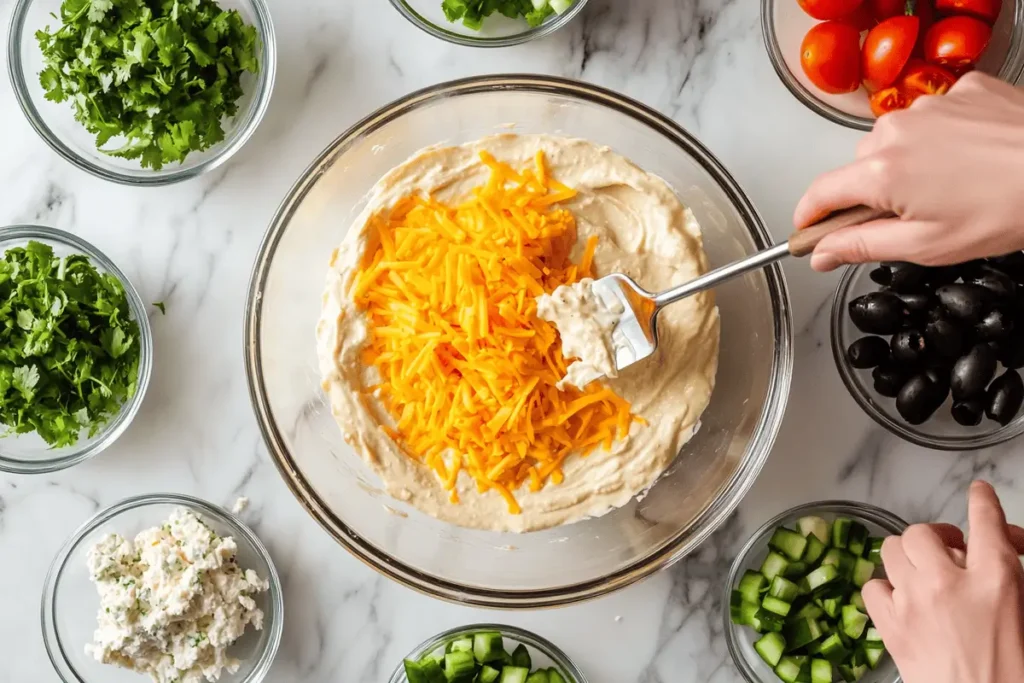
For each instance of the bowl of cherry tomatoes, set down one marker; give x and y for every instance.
(852, 61)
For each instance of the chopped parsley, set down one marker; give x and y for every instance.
(473, 12)
(69, 350)
(161, 306)
(156, 77)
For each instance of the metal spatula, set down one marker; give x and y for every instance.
(635, 335)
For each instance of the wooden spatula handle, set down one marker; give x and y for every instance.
(803, 242)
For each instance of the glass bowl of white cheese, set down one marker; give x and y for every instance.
(165, 587)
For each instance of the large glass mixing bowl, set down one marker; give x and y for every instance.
(564, 564)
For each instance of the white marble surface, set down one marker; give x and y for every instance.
(192, 246)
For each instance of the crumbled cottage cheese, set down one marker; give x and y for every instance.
(172, 601)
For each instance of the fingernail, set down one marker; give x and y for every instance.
(824, 262)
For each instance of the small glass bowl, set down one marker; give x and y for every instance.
(70, 601)
(56, 124)
(784, 24)
(740, 639)
(940, 432)
(28, 453)
(497, 30)
(543, 652)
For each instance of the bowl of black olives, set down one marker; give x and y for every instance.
(934, 354)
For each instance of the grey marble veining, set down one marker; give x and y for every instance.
(192, 246)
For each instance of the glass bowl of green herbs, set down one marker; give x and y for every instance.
(76, 350)
(489, 23)
(141, 92)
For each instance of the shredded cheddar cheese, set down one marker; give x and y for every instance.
(467, 369)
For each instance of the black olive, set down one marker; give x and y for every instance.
(942, 275)
(919, 399)
(968, 413)
(1010, 350)
(918, 303)
(939, 372)
(868, 352)
(972, 372)
(1012, 264)
(965, 302)
(881, 276)
(935, 313)
(997, 324)
(906, 277)
(997, 282)
(908, 346)
(1005, 397)
(878, 313)
(970, 269)
(889, 379)
(944, 338)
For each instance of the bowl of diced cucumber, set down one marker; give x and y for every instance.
(487, 653)
(793, 609)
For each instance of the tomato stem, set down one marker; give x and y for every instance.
(910, 7)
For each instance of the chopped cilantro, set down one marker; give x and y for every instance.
(69, 350)
(155, 76)
(161, 307)
(473, 12)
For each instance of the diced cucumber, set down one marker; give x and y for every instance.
(815, 549)
(873, 552)
(776, 606)
(863, 570)
(538, 676)
(801, 633)
(487, 646)
(831, 606)
(521, 658)
(752, 585)
(821, 671)
(805, 671)
(765, 621)
(842, 560)
(858, 539)
(426, 670)
(554, 676)
(788, 669)
(774, 565)
(789, 543)
(841, 532)
(821, 576)
(514, 674)
(873, 655)
(747, 612)
(814, 526)
(833, 649)
(770, 646)
(857, 600)
(539, 4)
(459, 665)
(489, 675)
(809, 611)
(796, 570)
(783, 589)
(464, 644)
(560, 6)
(873, 638)
(854, 622)
(736, 607)
(851, 674)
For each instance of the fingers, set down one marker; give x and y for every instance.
(898, 567)
(952, 536)
(889, 239)
(1016, 536)
(877, 595)
(988, 524)
(924, 547)
(857, 183)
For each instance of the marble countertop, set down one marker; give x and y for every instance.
(192, 246)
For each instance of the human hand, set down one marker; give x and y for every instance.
(950, 617)
(950, 167)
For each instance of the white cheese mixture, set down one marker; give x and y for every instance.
(172, 601)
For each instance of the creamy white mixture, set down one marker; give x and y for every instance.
(643, 231)
(172, 601)
(585, 322)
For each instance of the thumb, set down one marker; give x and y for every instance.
(888, 239)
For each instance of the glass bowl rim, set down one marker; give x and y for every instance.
(239, 531)
(219, 153)
(889, 521)
(520, 635)
(859, 391)
(547, 28)
(1010, 71)
(81, 452)
(665, 555)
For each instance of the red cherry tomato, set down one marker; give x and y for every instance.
(921, 78)
(883, 9)
(890, 99)
(887, 49)
(861, 18)
(830, 56)
(987, 10)
(829, 9)
(957, 43)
